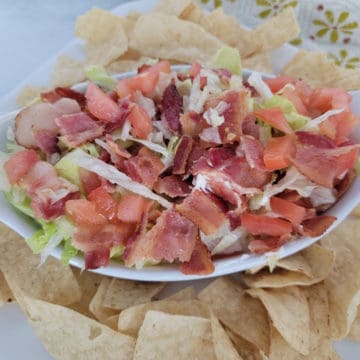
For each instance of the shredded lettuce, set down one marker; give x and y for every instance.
(68, 252)
(90, 149)
(40, 239)
(228, 58)
(98, 74)
(314, 123)
(231, 242)
(4, 181)
(68, 170)
(117, 251)
(18, 198)
(111, 173)
(256, 81)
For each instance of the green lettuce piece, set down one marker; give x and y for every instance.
(117, 251)
(98, 74)
(68, 170)
(18, 198)
(295, 120)
(90, 149)
(69, 252)
(40, 238)
(228, 58)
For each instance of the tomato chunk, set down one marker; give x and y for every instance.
(288, 210)
(140, 122)
(279, 82)
(19, 164)
(278, 152)
(265, 225)
(131, 208)
(84, 212)
(104, 202)
(274, 117)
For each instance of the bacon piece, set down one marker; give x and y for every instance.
(218, 156)
(19, 164)
(254, 152)
(200, 262)
(77, 129)
(234, 114)
(345, 183)
(267, 243)
(63, 92)
(172, 238)
(145, 167)
(317, 140)
(249, 126)
(125, 107)
(224, 75)
(46, 141)
(203, 210)
(117, 148)
(182, 154)
(97, 258)
(288, 210)
(89, 180)
(172, 107)
(195, 155)
(316, 226)
(172, 186)
(101, 105)
(192, 123)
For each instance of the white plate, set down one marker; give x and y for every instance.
(17, 339)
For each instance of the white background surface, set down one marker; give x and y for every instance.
(31, 32)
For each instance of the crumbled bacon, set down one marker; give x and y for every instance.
(172, 107)
(172, 186)
(182, 153)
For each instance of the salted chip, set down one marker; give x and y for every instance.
(67, 334)
(227, 29)
(28, 94)
(89, 283)
(104, 35)
(348, 79)
(6, 295)
(238, 311)
(278, 30)
(343, 283)
(67, 72)
(96, 306)
(288, 310)
(354, 333)
(176, 337)
(356, 210)
(165, 36)
(317, 262)
(258, 62)
(130, 319)
(188, 293)
(122, 294)
(280, 349)
(52, 281)
(245, 349)
(224, 349)
(313, 67)
(178, 8)
(124, 65)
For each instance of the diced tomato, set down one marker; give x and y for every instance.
(274, 117)
(268, 243)
(346, 161)
(123, 88)
(292, 95)
(277, 152)
(195, 69)
(140, 122)
(325, 99)
(104, 202)
(279, 82)
(200, 262)
(101, 105)
(84, 212)
(317, 225)
(89, 180)
(265, 225)
(19, 164)
(131, 208)
(288, 210)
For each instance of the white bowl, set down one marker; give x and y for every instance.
(25, 227)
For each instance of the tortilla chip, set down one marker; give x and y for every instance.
(28, 93)
(317, 262)
(227, 29)
(122, 65)
(224, 349)
(356, 210)
(96, 306)
(245, 349)
(244, 315)
(122, 294)
(130, 319)
(278, 30)
(104, 35)
(313, 67)
(164, 36)
(289, 311)
(348, 79)
(52, 281)
(68, 335)
(354, 333)
(317, 298)
(177, 8)
(67, 72)
(89, 283)
(258, 62)
(188, 293)
(6, 295)
(343, 283)
(165, 336)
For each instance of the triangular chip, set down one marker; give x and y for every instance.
(6, 295)
(67, 71)
(354, 333)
